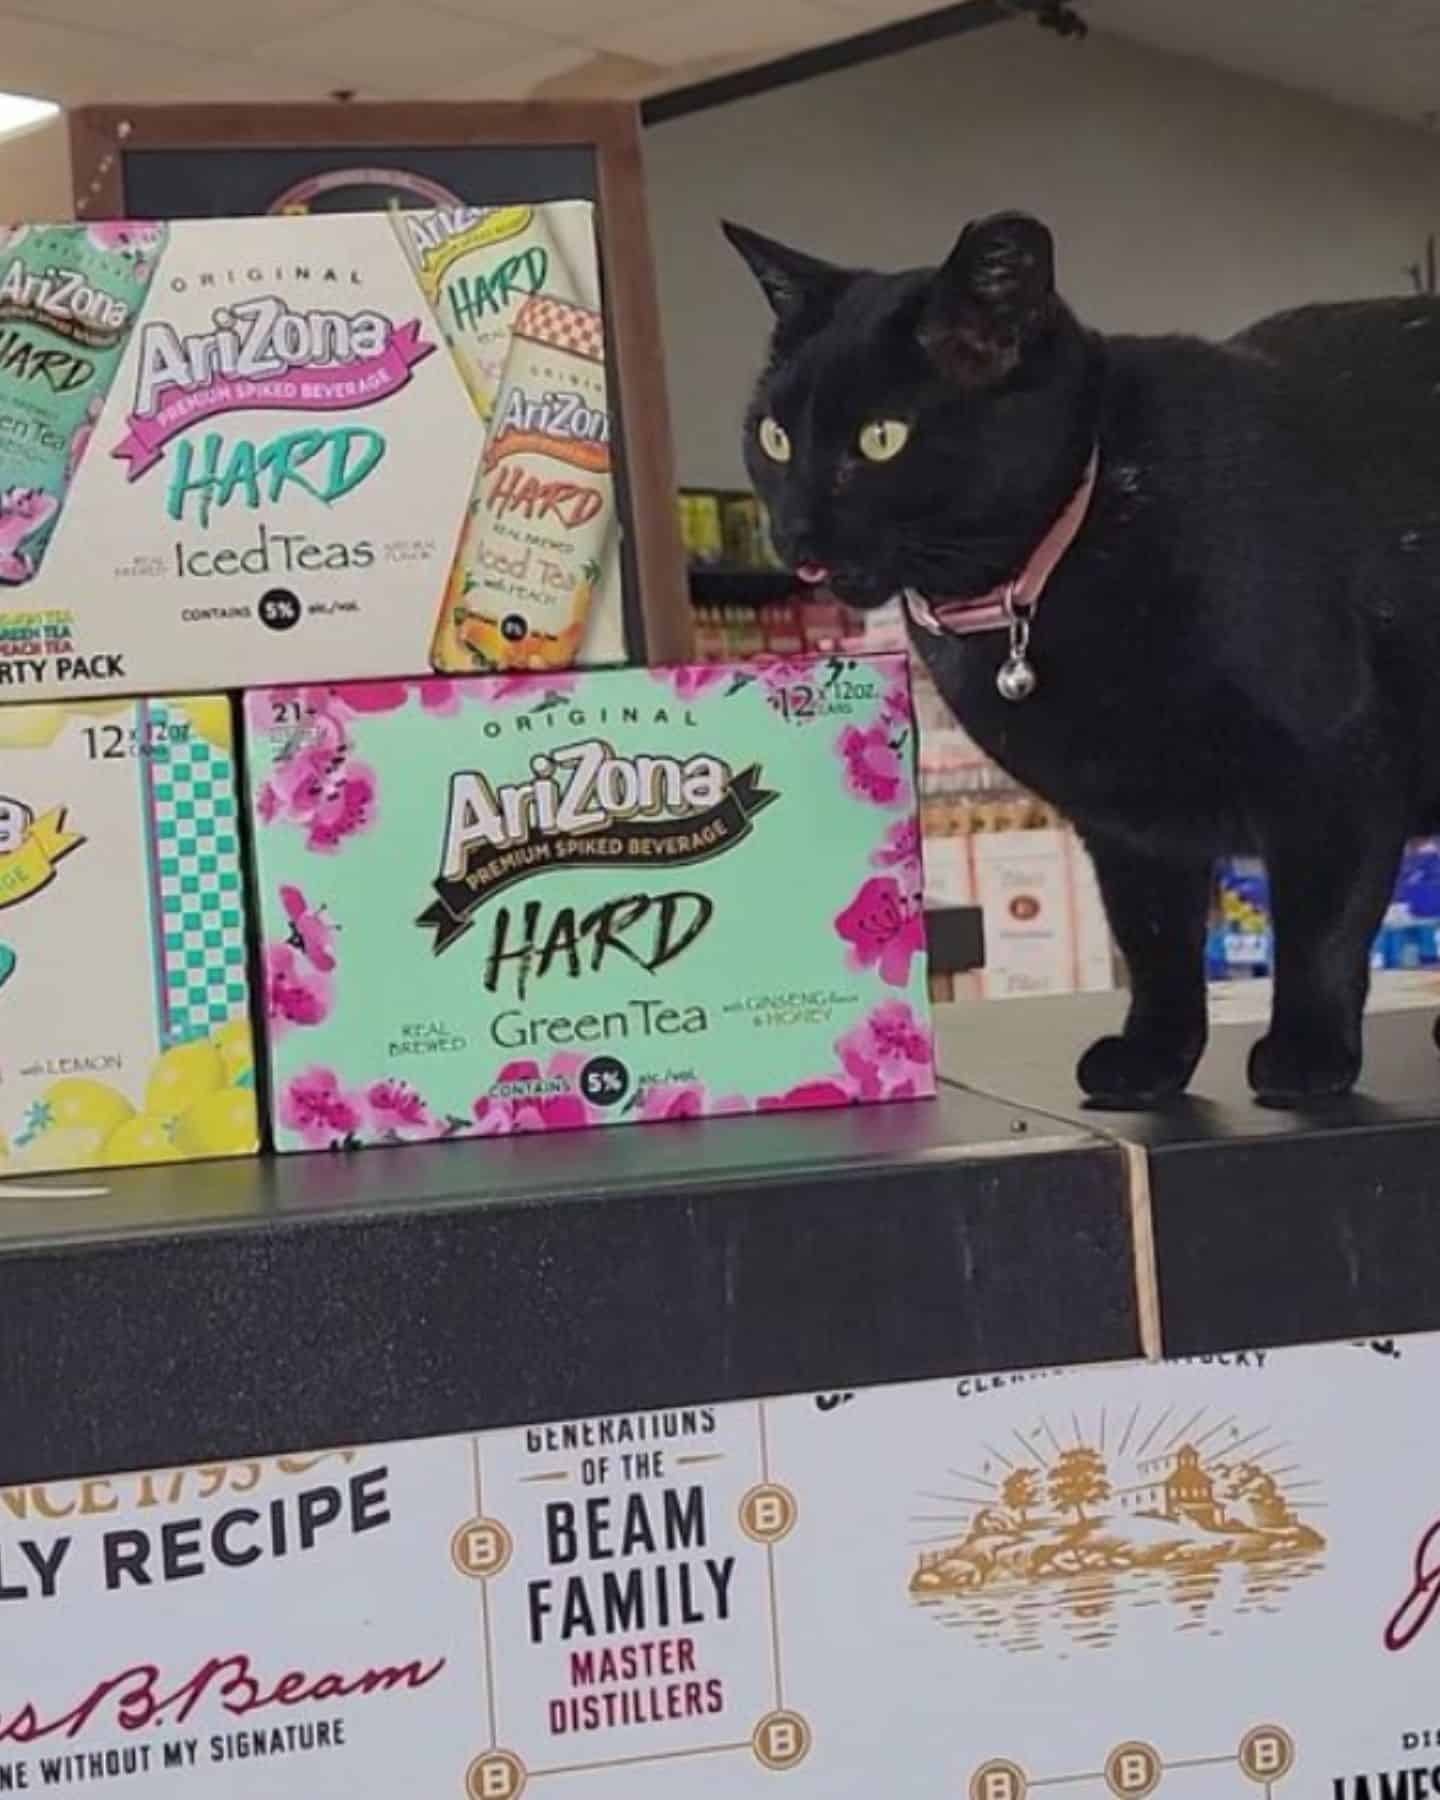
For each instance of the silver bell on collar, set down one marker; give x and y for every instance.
(1017, 679)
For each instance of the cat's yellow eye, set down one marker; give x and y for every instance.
(775, 440)
(883, 439)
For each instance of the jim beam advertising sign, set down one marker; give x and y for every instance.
(1207, 1580)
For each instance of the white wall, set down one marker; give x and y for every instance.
(1183, 198)
(35, 174)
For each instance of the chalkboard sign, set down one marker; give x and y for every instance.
(180, 162)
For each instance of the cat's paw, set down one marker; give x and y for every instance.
(1128, 1073)
(1289, 1071)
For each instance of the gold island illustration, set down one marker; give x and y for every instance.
(1068, 1534)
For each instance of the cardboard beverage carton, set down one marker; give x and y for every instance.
(124, 998)
(533, 903)
(248, 449)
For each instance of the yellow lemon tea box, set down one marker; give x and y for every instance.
(546, 901)
(124, 999)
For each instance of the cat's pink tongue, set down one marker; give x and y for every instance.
(812, 573)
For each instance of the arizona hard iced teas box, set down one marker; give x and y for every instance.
(258, 444)
(124, 1000)
(530, 903)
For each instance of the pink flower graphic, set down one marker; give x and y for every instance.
(534, 1108)
(396, 1108)
(347, 807)
(883, 927)
(782, 676)
(901, 851)
(785, 671)
(674, 1100)
(136, 240)
(895, 705)
(688, 681)
(514, 690)
(873, 771)
(888, 1055)
(436, 695)
(310, 932)
(80, 441)
(807, 1095)
(314, 1107)
(295, 993)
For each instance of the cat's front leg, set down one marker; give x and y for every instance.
(1331, 880)
(1158, 911)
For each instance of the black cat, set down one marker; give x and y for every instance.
(1238, 644)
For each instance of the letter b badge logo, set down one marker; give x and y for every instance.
(481, 1548)
(1133, 1771)
(998, 1780)
(1267, 1753)
(768, 1514)
(781, 1740)
(495, 1776)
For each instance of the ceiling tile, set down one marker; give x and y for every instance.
(748, 31)
(870, 14)
(183, 24)
(508, 81)
(75, 67)
(604, 76)
(575, 20)
(378, 48)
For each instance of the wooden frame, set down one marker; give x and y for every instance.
(102, 137)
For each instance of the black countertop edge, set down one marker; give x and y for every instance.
(1269, 1227)
(697, 1265)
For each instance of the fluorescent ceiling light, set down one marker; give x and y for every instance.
(19, 110)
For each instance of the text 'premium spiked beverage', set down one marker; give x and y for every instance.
(526, 903)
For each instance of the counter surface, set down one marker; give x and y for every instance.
(195, 1312)
(1270, 1227)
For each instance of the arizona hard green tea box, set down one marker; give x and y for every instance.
(536, 903)
(124, 998)
(303, 449)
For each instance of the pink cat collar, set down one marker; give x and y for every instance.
(993, 611)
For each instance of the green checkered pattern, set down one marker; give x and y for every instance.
(197, 848)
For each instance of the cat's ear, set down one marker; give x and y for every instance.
(995, 291)
(793, 281)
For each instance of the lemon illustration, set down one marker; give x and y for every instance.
(75, 1100)
(30, 727)
(140, 1140)
(223, 1124)
(181, 1077)
(60, 1147)
(237, 1049)
(209, 718)
(98, 709)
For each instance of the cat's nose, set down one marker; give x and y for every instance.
(805, 553)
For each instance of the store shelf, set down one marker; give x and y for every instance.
(720, 584)
(1270, 1227)
(192, 1313)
